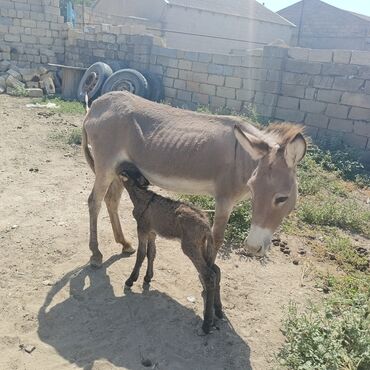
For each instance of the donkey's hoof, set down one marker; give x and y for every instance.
(128, 249)
(96, 261)
(147, 279)
(219, 313)
(206, 327)
(129, 283)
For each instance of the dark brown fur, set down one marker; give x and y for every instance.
(173, 219)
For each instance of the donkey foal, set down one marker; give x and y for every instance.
(172, 219)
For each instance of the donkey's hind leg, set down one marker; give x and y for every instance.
(112, 199)
(218, 304)
(150, 256)
(101, 184)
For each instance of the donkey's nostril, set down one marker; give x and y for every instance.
(259, 249)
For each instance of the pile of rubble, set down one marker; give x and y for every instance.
(27, 82)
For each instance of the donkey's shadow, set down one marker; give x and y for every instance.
(132, 330)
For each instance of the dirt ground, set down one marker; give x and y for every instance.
(79, 317)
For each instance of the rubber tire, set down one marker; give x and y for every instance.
(103, 71)
(156, 91)
(139, 84)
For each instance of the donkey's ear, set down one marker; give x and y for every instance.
(295, 150)
(256, 147)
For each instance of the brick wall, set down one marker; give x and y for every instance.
(32, 32)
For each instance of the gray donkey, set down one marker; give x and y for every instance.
(173, 219)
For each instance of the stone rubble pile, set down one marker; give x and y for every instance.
(33, 82)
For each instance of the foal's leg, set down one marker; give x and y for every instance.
(141, 253)
(222, 214)
(218, 304)
(150, 256)
(112, 199)
(101, 184)
(207, 278)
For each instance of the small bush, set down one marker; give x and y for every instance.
(334, 337)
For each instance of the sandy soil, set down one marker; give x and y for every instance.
(78, 317)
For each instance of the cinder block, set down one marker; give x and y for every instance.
(184, 95)
(217, 102)
(256, 62)
(287, 102)
(198, 67)
(348, 84)
(293, 91)
(339, 69)
(270, 63)
(172, 72)
(289, 115)
(204, 57)
(233, 82)
(200, 77)
(169, 92)
(28, 23)
(311, 131)
(215, 69)
(320, 55)
(310, 93)
(245, 95)
(234, 105)
(298, 66)
(330, 96)
(359, 114)
(317, 120)
(357, 100)
(207, 89)
(311, 106)
(362, 128)
(324, 82)
(177, 84)
(216, 80)
(168, 62)
(337, 111)
(342, 125)
(12, 38)
(342, 56)
(220, 59)
(226, 92)
(183, 64)
(298, 53)
(202, 99)
(192, 86)
(360, 57)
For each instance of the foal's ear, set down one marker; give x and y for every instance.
(295, 150)
(256, 147)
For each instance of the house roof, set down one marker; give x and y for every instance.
(242, 8)
(361, 16)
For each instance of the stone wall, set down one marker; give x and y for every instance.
(32, 32)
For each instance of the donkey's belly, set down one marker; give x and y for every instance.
(180, 185)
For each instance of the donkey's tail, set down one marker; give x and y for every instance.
(86, 150)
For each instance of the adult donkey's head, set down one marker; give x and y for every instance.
(273, 184)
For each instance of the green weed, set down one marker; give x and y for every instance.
(64, 106)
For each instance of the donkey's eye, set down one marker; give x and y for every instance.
(281, 200)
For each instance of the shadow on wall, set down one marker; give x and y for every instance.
(93, 324)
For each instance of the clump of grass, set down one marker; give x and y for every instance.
(335, 336)
(331, 211)
(75, 137)
(345, 254)
(65, 106)
(18, 91)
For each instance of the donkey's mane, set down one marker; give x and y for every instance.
(283, 133)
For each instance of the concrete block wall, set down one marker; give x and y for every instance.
(119, 46)
(32, 32)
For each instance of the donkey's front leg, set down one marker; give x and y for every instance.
(141, 253)
(223, 211)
